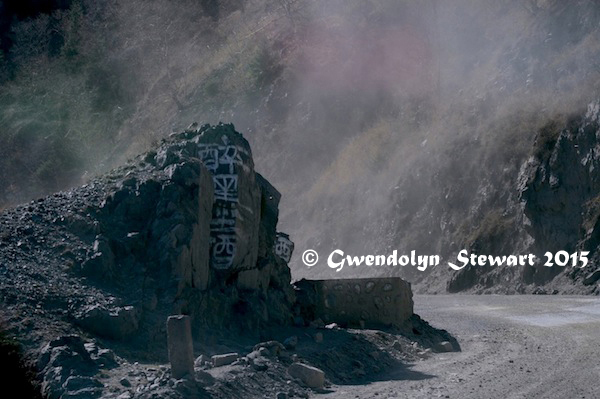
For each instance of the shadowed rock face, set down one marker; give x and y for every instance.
(188, 227)
(199, 221)
(556, 186)
(560, 190)
(556, 208)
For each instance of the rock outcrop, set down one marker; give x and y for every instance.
(560, 191)
(550, 204)
(186, 232)
(186, 228)
(189, 228)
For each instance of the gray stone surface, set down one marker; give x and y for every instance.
(180, 344)
(272, 348)
(592, 277)
(356, 302)
(291, 342)
(318, 337)
(200, 360)
(444, 346)
(309, 375)
(116, 323)
(69, 367)
(559, 188)
(224, 359)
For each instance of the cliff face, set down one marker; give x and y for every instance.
(552, 206)
(560, 191)
(439, 172)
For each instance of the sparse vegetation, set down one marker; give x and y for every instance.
(492, 230)
(392, 101)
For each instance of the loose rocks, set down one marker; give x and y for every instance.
(311, 376)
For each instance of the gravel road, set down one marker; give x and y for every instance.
(512, 347)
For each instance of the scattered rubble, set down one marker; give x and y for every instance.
(175, 258)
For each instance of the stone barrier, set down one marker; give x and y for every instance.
(356, 302)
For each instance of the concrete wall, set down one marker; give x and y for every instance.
(374, 301)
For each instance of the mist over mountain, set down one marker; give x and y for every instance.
(384, 124)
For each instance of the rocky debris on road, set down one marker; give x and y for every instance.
(186, 228)
(77, 367)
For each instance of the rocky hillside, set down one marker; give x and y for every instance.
(556, 210)
(559, 188)
(444, 174)
(90, 276)
(537, 197)
(151, 232)
(187, 228)
(386, 124)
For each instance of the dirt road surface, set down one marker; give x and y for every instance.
(512, 347)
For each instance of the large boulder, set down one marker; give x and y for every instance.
(189, 228)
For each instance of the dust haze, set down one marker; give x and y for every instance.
(384, 124)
